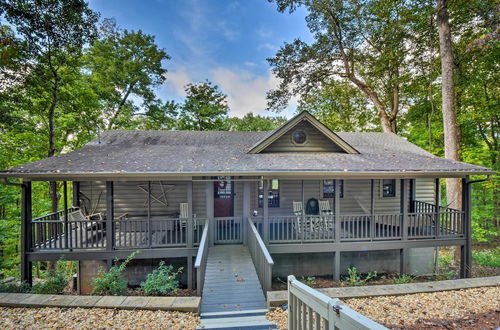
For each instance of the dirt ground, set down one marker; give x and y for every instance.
(477, 308)
(93, 318)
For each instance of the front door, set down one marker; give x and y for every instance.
(227, 227)
(223, 197)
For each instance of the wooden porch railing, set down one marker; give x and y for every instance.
(260, 256)
(310, 309)
(200, 263)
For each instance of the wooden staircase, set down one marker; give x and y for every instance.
(232, 295)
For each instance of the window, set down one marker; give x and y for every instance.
(389, 188)
(299, 137)
(329, 188)
(273, 198)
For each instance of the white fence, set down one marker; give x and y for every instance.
(310, 309)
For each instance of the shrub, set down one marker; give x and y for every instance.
(487, 257)
(354, 279)
(444, 270)
(161, 281)
(54, 284)
(309, 280)
(402, 278)
(112, 282)
(22, 287)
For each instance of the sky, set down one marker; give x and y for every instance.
(224, 41)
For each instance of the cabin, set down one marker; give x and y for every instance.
(302, 199)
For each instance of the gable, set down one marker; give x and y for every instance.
(303, 133)
(315, 141)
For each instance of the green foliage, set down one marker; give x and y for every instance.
(444, 268)
(161, 281)
(113, 281)
(309, 280)
(487, 257)
(355, 279)
(341, 107)
(205, 108)
(402, 278)
(15, 287)
(54, 284)
(251, 122)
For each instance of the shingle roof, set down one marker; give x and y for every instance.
(123, 152)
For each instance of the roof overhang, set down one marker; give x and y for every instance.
(309, 174)
(304, 115)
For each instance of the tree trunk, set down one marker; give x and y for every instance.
(451, 129)
(52, 146)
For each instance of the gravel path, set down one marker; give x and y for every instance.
(93, 318)
(477, 308)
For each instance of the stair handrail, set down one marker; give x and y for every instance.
(261, 257)
(200, 263)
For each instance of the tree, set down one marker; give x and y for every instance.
(341, 107)
(125, 67)
(54, 32)
(451, 128)
(256, 123)
(363, 42)
(205, 108)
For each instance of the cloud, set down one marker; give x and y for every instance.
(264, 33)
(267, 46)
(246, 91)
(229, 33)
(176, 80)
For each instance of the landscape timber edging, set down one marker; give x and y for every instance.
(180, 304)
(278, 298)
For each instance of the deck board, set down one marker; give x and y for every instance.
(231, 282)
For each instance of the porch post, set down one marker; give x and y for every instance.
(372, 210)
(189, 227)
(338, 222)
(437, 196)
(26, 216)
(67, 230)
(150, 233)
(404, 210)
(265, 206)
(76, 192)
(246, 210)
(466, 264)
(209, 199)
(336, 266)
(110, 214)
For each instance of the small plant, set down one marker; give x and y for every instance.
(309, 280)
(354, 279)
(161, 281)
(402, 278)
(112, 282)
(489, 258)
(22, 287)
(54, 284)
(55, 281)
(444, 270)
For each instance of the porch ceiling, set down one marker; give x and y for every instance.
(136, 154)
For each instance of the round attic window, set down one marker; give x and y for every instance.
(299, 137)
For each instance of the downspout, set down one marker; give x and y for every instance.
(480, 180)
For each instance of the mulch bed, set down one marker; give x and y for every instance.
(477, 308)
(94, 318)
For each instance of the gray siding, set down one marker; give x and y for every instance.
(316, 141)
(425, 190)
(357, 194)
